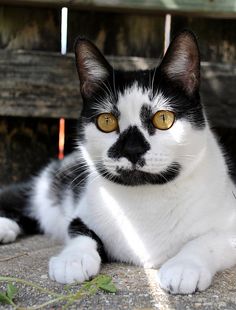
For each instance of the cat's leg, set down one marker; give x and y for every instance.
(193, 268)
(81, 258)
(14, 214)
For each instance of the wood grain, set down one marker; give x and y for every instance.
(25, 147)
(29, 28)
(38, 84)
(216, 8)
(216, 37)
(119, 34)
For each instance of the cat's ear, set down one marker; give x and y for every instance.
(181, 62)
(92, 66)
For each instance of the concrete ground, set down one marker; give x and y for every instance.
(137, 288)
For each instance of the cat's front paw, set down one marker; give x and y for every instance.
(184, 277)
(9, 230)
(68, 268)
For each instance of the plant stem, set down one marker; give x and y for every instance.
(47, 303)
(88, 288)
(13, 304)
(17, 280)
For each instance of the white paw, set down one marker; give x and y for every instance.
(184, 277)
(9, 230)
(75, 264)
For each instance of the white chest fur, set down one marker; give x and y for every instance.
(129, 221)
(146, 225)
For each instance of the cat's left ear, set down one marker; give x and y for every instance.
(181, 62)
(92, 66)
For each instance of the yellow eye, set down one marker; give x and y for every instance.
(107, 122)
(163, 119)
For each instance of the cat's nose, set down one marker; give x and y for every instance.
(133, 154)
(134, 145)
(131, 144)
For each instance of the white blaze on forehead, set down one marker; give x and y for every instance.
(131, 101)
(129, 106)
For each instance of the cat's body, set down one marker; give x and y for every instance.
(137, 194)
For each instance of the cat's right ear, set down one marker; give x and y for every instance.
(92, 66)
(181, 62)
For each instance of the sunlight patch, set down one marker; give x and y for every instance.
(126, 227)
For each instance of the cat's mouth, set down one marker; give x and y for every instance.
(133, 176)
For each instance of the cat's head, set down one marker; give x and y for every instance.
(143, 127)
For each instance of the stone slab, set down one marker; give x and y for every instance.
(137, 287)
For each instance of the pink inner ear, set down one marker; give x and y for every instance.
(92, 67)
(192, 82)
(87, 89)
(182, 62)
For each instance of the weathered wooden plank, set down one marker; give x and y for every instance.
(34, 84)
(143, 35)
(30, 28)
(216, 37)
(119, 34)
(38, 84)
(25, 147)
(200, 7)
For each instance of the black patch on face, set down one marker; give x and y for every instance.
(134, 177)
(184, 106)
(146, 115)
(78, 228)
(130, 144)
(15, 205)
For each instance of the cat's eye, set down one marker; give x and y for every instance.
(163, 119)
(107, 122)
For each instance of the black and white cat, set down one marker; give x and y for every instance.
(148, 183)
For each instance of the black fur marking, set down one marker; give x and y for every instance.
(133, 177)
(184, 106)
(14, 204)
(130, 144)
(142, 162)
(77, 227)
(69, 174)
(146, 115)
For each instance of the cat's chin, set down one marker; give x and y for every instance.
(134, 177)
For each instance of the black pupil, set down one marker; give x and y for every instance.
(107, 120)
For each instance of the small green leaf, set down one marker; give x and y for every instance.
(11, 291)
(103, 279)
(104, 282)
(109, 287)
(4, 299)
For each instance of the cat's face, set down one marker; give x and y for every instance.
(144, 127)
